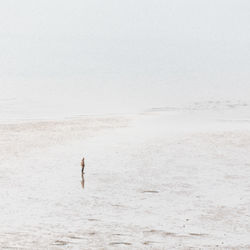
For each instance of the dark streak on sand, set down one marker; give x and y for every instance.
(92, 233)
(150, 242)
(75, 237)
(120, 243)
(197, 234)
(117, 205)
(93, 220)
(171, 234)
(60, 243)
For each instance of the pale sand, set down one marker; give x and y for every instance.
(158, 180)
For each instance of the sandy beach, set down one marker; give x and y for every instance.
(154, 95)
(163, 179)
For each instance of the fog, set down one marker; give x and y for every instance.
(154, 94)
(92, 55)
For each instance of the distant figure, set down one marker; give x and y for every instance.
(83, 165)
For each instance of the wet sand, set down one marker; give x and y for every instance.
(158, 180)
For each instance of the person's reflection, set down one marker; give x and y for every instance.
(83, 181)
(83, 165)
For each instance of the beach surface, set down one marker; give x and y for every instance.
(168, 178)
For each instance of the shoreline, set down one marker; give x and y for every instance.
(23, 136)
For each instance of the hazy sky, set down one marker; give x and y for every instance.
(163, 49)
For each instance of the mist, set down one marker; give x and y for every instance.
(93, 56)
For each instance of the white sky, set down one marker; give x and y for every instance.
(163, 49)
